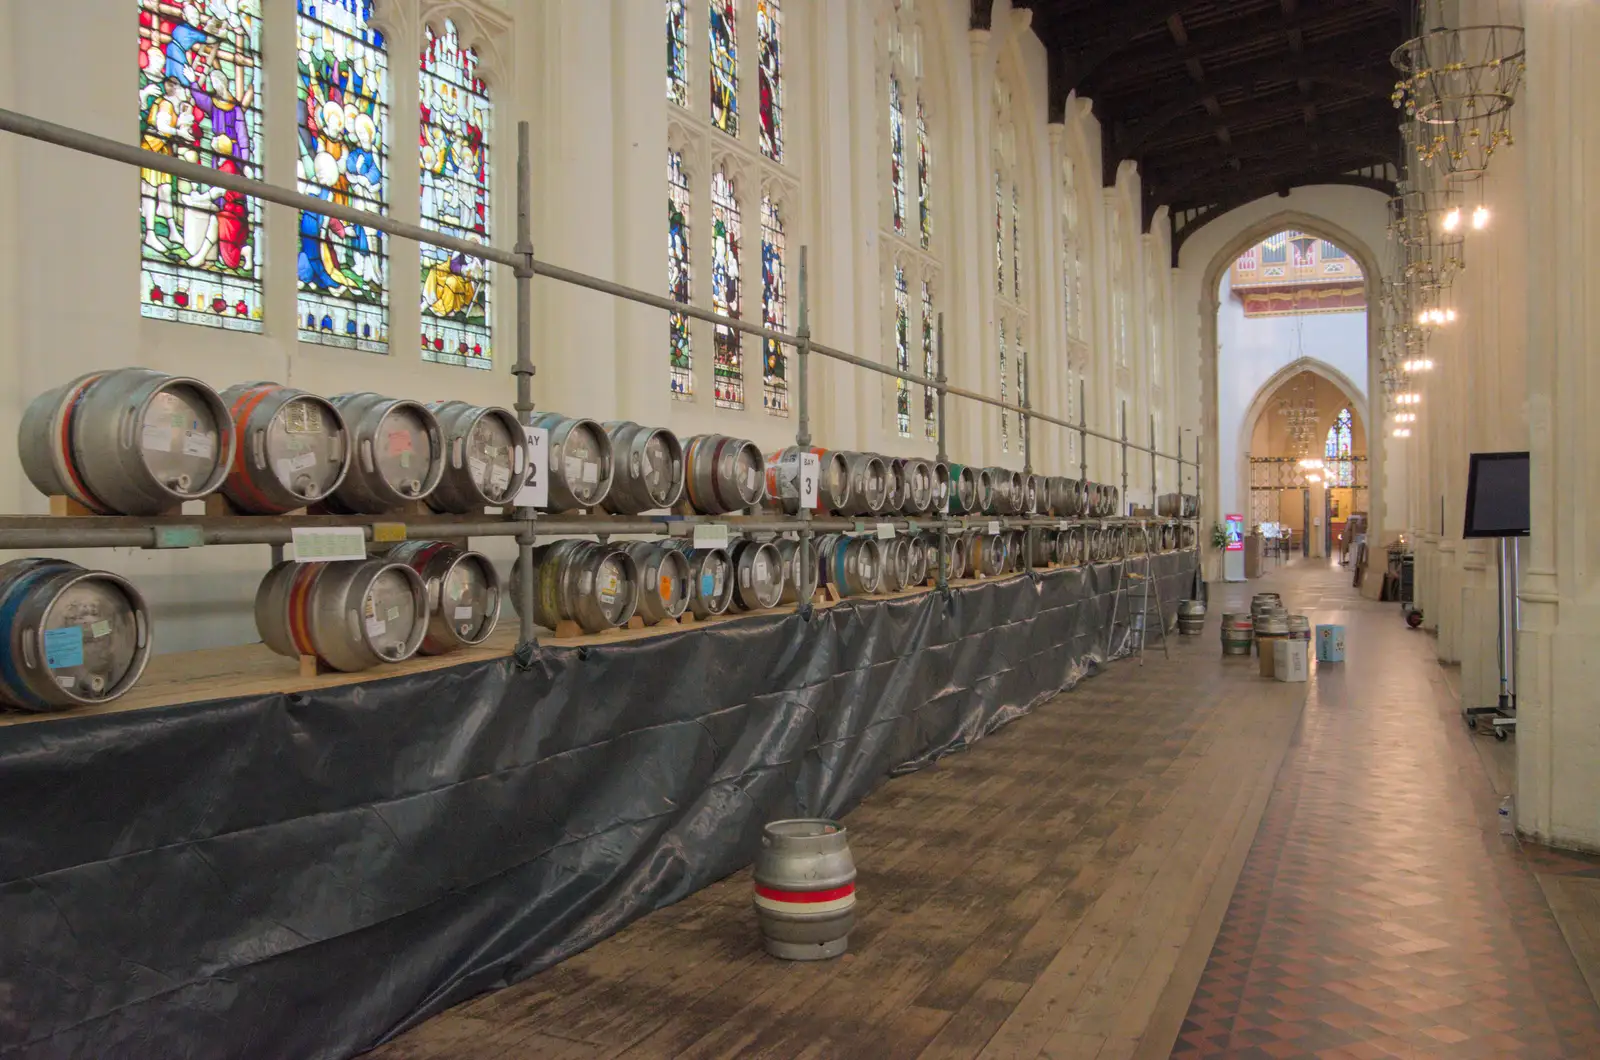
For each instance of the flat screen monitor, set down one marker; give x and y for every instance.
(1497, 495)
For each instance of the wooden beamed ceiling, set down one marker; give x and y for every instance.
(1223, 101)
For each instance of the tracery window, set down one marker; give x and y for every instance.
(1338, 451)
(455, 123)
(199, 100)
(1010, 311)
(769, 39)
(774, 308)
(677, 53)
(911, 270)
(343, 269)
(726, 246)
(724, 66)
(679, 276)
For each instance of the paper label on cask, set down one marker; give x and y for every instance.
(535, 492)
(325, 544)
(499, 478)
(63, 647)
(100, 629)
(198, 443)
(376, 627)
(463, 613)
(156, 438)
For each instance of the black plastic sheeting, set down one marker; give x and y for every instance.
(306, 875)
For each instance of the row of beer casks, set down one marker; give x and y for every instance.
(72, 637)
(138, 442)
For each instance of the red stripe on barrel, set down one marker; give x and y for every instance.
(806, 897)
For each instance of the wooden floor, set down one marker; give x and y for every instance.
(1053, 891)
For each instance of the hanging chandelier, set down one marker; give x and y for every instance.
(1457, 87)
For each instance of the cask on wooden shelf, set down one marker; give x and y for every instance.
(593, 585)
(580, 456)
(464, 594)
(69, 637)
(722, 475)
(663, 580)
(710, 582)
(963, 490)
(349, 614)
(783, 480)
(397, 453)
(939, 503)
(917, 476)
(758, 575)
(868, 478)
(805, 889)
(127, 442)
(895, 554)
(486, 457)
(647, 468)
(290, 448)
(852, 565)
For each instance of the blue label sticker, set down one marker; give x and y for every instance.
(63, 647)
(708, 585)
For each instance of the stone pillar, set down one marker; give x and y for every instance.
(1558, 785)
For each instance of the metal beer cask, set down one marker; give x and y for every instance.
(594, 585)
(963, 489)
(290, 448)
(853, 565)
(805, 889)
(895, 474)
(127, 442)
(486, 457)
(783, 480)
(895, 554)
(939, 503)
(350, 614)
(1238, 634)
(758, 576)
(397, 453)
(1191, 617)
(710, 582)
(984, 501)
(68, 636)
(663, 580)
(647, 468)
(920, 558)
(869, 484)
(463, 593)
(721, 475)
(580, 461)
(919, 480)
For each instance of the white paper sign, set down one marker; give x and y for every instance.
(710, 535)
(810, 477)
(322, 544)
(535, 493)
(994, 526)
(885, 531)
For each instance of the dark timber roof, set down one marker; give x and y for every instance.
(1224, 101)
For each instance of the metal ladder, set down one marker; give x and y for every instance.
(1149, 591)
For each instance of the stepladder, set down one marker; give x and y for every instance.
(1139, 592)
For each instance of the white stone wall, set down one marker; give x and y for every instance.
(589, 77)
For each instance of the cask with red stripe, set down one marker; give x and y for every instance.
(805, 889)
(350, 614)
(290, 448)
(127, 442)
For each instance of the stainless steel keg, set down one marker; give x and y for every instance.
(895, 471)
(758, 575)
(711, 580)
(805, 890)
(463, 593)
(918, 574)
(868, 491)
(398, 453)
(486, 457)
(647, 469)
(918, 475)
(853, 565)
(663, 580)
(350, 614)
(69, 637)
(939, 503)
(1238, 634)
(964, 494)
(984, 500)
(991, 555)
(290, 448)
(895, 554)
(721, 475)
(1191, 617)
(581, 465)
(127, 442)
(593, 585)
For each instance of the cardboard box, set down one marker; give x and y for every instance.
(1330, 644)
(1292, 660)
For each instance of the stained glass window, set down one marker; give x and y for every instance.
(1022, 388)
(1338, 450)
(455, 125)
(1005, 416)
(679, 274)
(999, 236)
(902, 353)
(343, 268)
(1016, 243)
(724, 67)
(728, 357)
(200, 101)
(769, 37)
(677, 53)
(897, 157)
(924, 178)
(930, 424)
(774, 310)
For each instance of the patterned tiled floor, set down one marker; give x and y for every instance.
(1379, 912)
